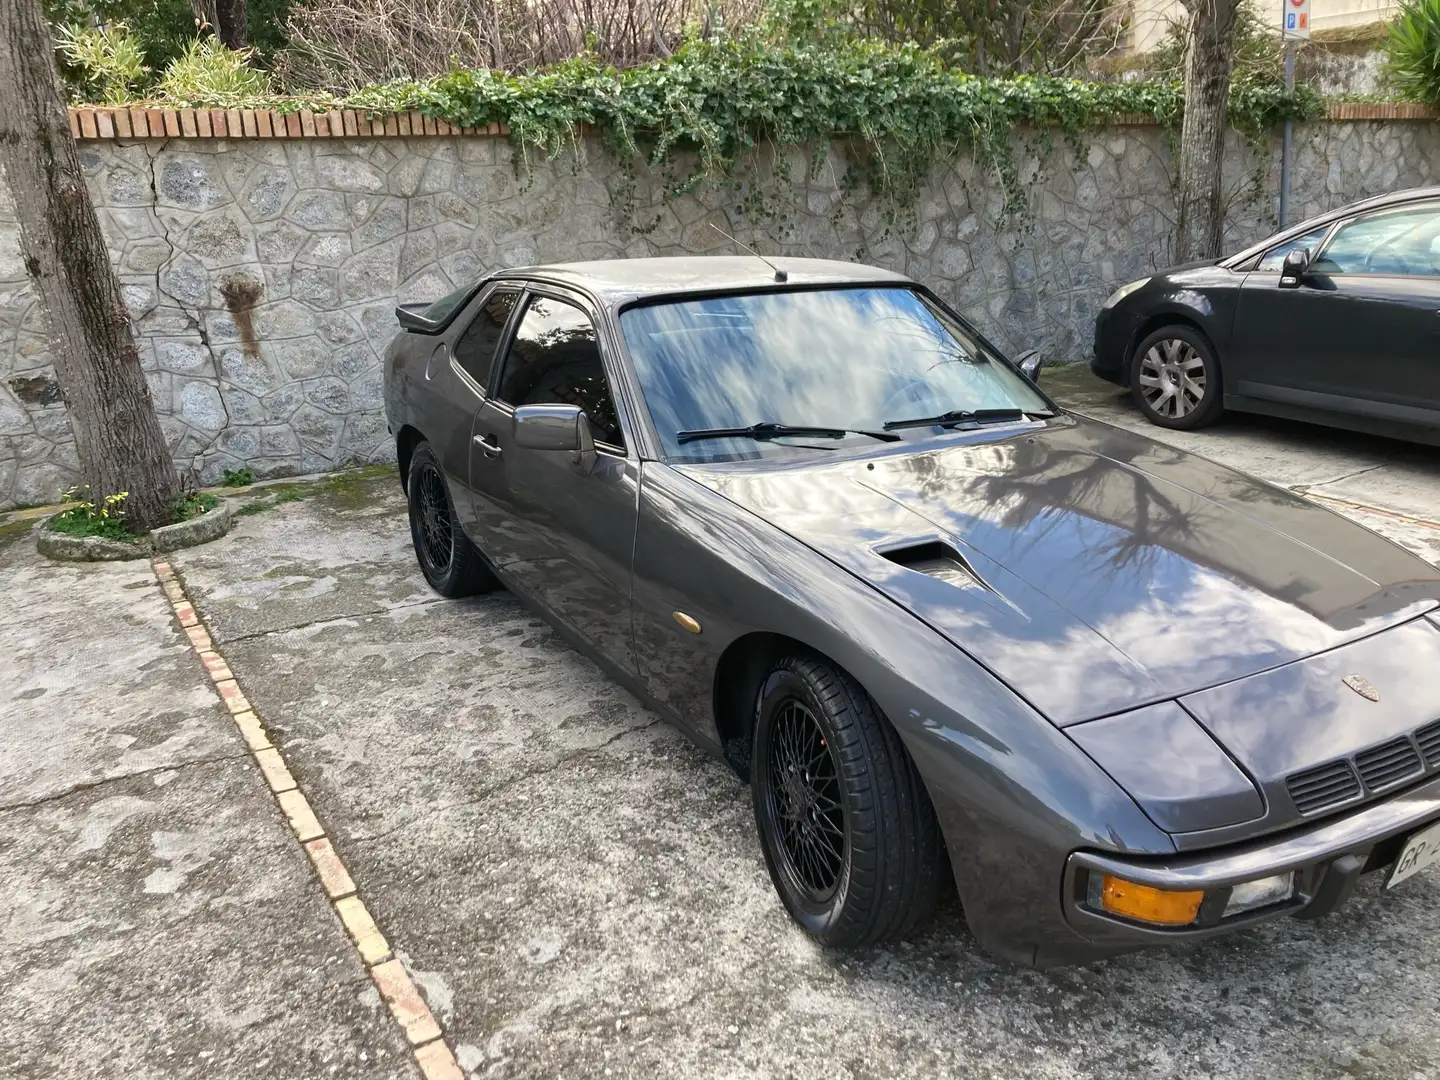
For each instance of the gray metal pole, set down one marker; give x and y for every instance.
(1285, 145)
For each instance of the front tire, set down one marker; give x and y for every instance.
(1175, 378)
(849, 835)
(448, 560)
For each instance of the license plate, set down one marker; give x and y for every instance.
(1420, 851)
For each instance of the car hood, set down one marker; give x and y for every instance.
(1092, 569)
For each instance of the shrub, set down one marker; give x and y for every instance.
(237, 478)
(209, 74)
(1414, 51)
(104, 64)
(191, 504)
(88, 518)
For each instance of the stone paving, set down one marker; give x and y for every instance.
(576, 890)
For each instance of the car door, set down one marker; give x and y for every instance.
(457, 372)
(560, 533)
(1360, 332)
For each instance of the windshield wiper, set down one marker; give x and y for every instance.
(967, 416)
(768, 429)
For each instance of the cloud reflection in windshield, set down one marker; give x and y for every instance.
(844, 358)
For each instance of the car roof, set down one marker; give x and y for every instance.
(622, 280)
(1375, 202)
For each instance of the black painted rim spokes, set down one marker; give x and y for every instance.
(436, 528)
(809, 819)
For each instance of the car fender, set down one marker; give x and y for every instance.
(1013, 794)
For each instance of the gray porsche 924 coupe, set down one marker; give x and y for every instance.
(1124, 695)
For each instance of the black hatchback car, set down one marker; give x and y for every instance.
(1336, 320)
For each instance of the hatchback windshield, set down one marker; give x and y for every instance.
(851, 360)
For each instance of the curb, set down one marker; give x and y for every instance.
(197, 530)
(423, 1033)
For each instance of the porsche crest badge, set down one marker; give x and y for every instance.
(1362, 686)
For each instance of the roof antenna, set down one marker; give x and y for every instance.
(780, 275)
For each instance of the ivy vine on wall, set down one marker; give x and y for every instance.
(702, 115)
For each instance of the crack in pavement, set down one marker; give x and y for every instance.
(90, 785)
(370, 613)
(511, 781)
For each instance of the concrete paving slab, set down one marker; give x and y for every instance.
(157, 918)
(100, 682)
(578, 891)
(276, 570)
(166, 925)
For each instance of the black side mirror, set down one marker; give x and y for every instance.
(1029, 363)
(564, 428)
(1294, 267)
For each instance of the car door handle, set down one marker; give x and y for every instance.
(491, 449)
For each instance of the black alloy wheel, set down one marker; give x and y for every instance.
(849, 835)
(448, 560)
(804, 784)
(1175, 378)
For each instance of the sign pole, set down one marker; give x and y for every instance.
(1294, 27)
(1285, 142)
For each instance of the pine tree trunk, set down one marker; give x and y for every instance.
(117, 435)
(230, 23)
(1202, 134)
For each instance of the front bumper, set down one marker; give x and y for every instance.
(1115, 334)
(1328, 860)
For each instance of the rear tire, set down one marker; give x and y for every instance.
(1175, 378)
(849, 835)
(448, 560)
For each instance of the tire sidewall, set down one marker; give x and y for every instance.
(423, 458)
(780, 686)
(1210, 405)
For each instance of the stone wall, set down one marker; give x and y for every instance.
(262, 273)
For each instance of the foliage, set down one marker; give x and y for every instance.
(160, 28)
(725, 100)
(191, 504)
(981, 37)
(343, 44)
(88, 518)
(103, 64)
(1413, 65)
(209, 74)
(237, 478)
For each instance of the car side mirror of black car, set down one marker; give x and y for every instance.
(1029, 364)
(1294, 267)
(563, 428)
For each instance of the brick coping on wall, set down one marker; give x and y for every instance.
(144, 122)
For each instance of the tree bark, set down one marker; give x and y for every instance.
(1208, 63)
(230, 23)
(117, 435)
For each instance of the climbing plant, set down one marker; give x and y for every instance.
(717, 102)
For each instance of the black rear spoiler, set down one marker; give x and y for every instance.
(410, 318)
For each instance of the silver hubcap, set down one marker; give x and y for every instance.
(1172, 378)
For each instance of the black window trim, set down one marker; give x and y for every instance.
(479, 300)
(528, 290)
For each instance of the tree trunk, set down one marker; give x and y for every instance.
(117, 435)
(1202, 135)
(230, 23)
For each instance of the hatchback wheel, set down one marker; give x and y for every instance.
(448, 560)
(1176, 378)
(849, 835)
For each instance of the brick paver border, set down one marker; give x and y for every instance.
(422, 1030)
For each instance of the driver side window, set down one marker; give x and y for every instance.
(1274, 260)
(554, 359)
(1403, 242)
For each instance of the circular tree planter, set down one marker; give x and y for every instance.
(210, 525)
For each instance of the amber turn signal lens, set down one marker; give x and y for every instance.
(1145, 904)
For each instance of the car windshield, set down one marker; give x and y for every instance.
(844, 359)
